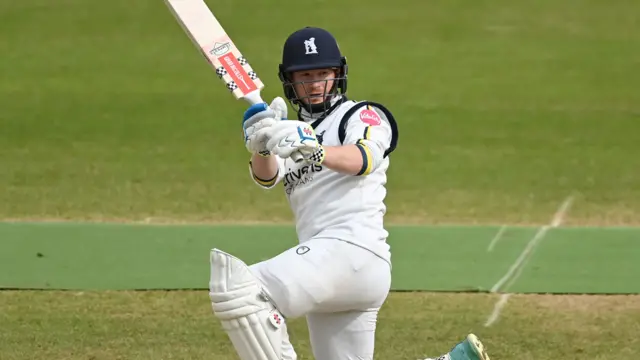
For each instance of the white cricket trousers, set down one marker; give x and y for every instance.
(338, 286)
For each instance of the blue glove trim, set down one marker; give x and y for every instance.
(254, 109)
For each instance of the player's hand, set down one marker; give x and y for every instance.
(289, 136)
(257, 119)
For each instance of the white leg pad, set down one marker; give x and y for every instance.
(252, 322)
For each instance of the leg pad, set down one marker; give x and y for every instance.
(254, 325)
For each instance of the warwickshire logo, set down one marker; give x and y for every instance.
(310, 46)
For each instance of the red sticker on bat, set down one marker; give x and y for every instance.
(237, 73)
(370, 117)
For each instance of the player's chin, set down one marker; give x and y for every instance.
(315, 99)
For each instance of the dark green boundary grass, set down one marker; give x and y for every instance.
(444, 258)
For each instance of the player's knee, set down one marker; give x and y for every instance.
(234, 290)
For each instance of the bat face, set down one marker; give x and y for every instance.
(208, 35)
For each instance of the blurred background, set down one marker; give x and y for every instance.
(505, 108)
(506, 111)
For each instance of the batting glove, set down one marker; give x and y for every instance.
(293, 135)
(256, 122)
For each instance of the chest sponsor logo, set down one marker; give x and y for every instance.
(295, 178)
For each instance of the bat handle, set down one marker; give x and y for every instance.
(297, 157)
(253, 97)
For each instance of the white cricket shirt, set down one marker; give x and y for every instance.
(328, 204)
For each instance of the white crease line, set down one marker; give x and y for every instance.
(495, 239)
(496, 309)
(558, 217)
(515, 276)
(532, 243)
(557, 221)
(562, 211)
(519, 264)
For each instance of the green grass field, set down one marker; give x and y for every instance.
(108, 114)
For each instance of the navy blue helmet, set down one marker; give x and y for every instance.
(312, 48)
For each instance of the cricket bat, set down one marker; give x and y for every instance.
(208, 35)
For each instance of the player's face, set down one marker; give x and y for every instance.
(312, 85)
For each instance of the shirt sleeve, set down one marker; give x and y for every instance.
(269, 183)
(372, 131)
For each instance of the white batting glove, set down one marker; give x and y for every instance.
(257, 119)
(289, 136)
(279, 106)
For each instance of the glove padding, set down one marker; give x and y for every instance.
(257, 119)
(286, 137)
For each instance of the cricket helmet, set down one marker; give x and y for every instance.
(312, 48)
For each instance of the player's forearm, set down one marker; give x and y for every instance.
(347, 159)
(264, 168)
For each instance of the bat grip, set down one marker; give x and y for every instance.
(297, 157)
(254, 97)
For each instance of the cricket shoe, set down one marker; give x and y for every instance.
(470, 348)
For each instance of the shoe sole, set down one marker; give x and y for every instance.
(477, 347)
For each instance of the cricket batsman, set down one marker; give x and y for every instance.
(339, 275)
